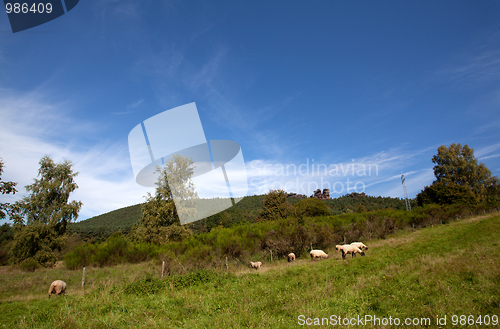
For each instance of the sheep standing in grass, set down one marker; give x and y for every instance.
(349, 249)
(318, 254)
(360, 245)
(57, 287)
(256, 265)
(291, 257)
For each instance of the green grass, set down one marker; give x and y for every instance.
(451, 269)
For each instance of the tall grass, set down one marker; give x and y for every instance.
(441, 270)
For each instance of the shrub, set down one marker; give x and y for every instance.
(151, 286)
(148, 286)
(443, 193)
(311, 207)
(29, 265)
(80, 256)
(275, 206)
(115, 250)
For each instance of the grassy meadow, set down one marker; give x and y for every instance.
(451, 269)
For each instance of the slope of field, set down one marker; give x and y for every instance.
(446, 270)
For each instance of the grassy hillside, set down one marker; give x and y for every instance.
(446, 270)
(245, 211)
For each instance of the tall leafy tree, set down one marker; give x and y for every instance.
(457, 164)
(459, 178)
(41, 218)
(160, 218)
(5, 188)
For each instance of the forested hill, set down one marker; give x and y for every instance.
(102, 226)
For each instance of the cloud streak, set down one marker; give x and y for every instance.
(376, 174)
(105, 177)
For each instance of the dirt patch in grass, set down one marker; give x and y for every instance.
(477, 218)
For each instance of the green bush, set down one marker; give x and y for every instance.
(115, 250)
(247, 242)
(148, 286)
(275, 206)
(311, 207)
(29, 265)
(80, 256)
(151, 286)
(444, 193)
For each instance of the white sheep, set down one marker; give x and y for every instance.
(57, 287)
(318, 254)
(256, 265)
(291, 257)
(360, 245)
(349, 249)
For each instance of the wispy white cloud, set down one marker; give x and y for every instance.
(33, 127)
(414, 181)
(130, 107)
(175, 76)
(376, 174)
(482, 152)
(135, 104)
(490, 157)
(481, 67)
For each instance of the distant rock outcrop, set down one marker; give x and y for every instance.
(356, 195)
(296, 196)
(317, 194)
(322, 196)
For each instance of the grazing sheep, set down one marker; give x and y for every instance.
(318, 254)
(57, 287)
(360, 245)
(291, 257)
(349, 249)
(256, 265)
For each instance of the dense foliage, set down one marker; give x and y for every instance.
(311, 207)
(459, 179)
(255, 241)
(246, 211)
(41, 218)
(5, 188)
(99, 228)
(457, 164)
(6, 239)
(275, 206)
(446, 193)
(160, 221)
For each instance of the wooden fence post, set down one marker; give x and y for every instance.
(83, 279)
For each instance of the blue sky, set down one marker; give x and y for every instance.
(335, 83)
